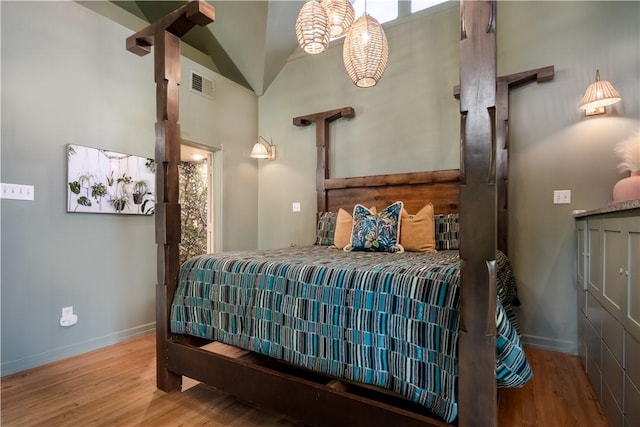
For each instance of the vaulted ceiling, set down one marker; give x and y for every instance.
(249, 42)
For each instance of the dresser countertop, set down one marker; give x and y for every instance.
(612, 207)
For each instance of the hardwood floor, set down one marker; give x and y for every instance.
(559, 395)
(115, 386)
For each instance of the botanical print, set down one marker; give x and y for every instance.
(102, 181)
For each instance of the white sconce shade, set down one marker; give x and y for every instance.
(264, 150)
(259, 151)
(599, 94)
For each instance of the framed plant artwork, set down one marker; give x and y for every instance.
(103, 181)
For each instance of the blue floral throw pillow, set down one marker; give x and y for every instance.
(376, 232)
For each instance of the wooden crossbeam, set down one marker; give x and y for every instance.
(322, 121)
(503, 85)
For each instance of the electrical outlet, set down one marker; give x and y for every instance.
(295, 206)
(68, 318)
(67, 311)
(561, 197)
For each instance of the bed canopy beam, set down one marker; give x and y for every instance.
(164, 35)
(504, 84)
(322, 121)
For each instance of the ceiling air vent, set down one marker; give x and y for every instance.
(201, 85)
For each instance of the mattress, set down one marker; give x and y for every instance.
(385, 319)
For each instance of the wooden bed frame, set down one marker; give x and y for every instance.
(477, 191)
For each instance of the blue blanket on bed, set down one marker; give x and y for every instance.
(385, 319)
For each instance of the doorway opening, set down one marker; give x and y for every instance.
(199, 178)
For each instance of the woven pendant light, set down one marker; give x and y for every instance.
(312, 28)
(365, 51)
(341, 16)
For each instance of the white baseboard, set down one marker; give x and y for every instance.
(13, 366)
(551, 344)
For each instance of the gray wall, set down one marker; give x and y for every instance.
(410, 122)
(555, 147)
(67, 78)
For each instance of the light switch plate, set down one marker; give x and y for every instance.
(16, 191)
(295, 206)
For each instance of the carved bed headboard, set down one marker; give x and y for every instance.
(441, 188)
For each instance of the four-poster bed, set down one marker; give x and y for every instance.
(325, 400)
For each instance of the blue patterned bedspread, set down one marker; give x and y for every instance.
(386, 319)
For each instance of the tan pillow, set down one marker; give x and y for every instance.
(417, 232)
(344, 226)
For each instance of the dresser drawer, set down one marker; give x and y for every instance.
(632, 359)
(595, 313)
(582, 301)
(594, 265)
(595, 375)
(611, 410)
(631, 403)
(612, 335)
(582, 343)
(632, 318)
(612, 376)
(594, 345)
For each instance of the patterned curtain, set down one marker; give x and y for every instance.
(193, 204)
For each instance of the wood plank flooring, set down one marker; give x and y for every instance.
(115, 386)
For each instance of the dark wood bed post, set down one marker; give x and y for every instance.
(477, 394)
(165, 35)
(484, 131)
(322, 121)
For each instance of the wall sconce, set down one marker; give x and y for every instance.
(263, 150)
(598, 95)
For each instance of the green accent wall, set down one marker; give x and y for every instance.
(67, 78)
(410, 122)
